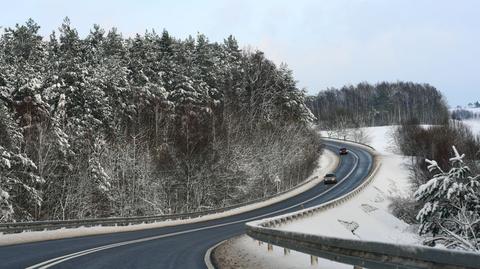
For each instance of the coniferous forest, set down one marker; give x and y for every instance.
(108, 125)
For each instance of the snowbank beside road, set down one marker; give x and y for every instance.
(363, 217)
(326, 163)
(243, 253)
(366, 216)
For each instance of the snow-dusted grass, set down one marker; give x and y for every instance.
(326, 163)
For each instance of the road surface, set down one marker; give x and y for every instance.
(182, 246)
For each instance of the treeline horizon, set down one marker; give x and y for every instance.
(112, 126)
(383, 103)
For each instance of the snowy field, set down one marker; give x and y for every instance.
(474, 125)
(379, 137)
(364, 217)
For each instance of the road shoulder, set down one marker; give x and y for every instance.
(328, 161)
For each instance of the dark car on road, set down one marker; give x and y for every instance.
(343, 151)
(330, 179)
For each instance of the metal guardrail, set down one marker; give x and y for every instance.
(348, 141)
(272, 222)
(359, 253)
(16, 227)
(367, 254)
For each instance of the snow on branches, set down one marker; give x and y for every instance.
(144, 125)
(451, 211)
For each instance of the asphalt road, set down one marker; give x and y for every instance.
(181, 246)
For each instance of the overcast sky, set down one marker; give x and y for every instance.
(327, 43)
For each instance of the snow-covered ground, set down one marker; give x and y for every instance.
(471, 109)
(474, 124)
(326, 163)
(380, 137)
(245, 253)
(365, 216)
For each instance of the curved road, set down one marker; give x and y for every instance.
(182, 246)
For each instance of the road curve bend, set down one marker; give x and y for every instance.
(181, 246)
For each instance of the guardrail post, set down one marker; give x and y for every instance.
(313, 260)
(269, 247)
(286, 251)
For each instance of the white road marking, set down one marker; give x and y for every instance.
(55, 261)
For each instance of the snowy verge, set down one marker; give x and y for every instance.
(243, 252)
(365, 216)
(327, 162)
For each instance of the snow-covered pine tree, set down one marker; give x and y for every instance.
(156, 123)
(451, 213)
(19, 181)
